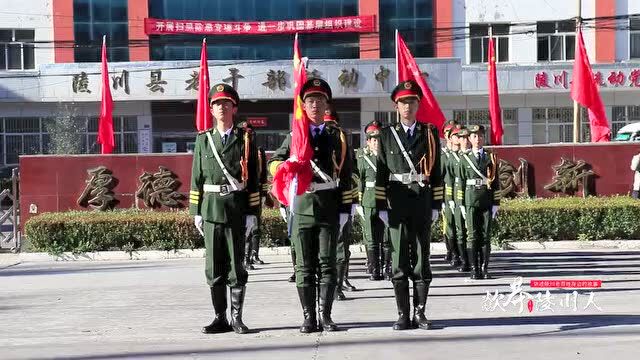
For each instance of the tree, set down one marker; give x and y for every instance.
(66, 130)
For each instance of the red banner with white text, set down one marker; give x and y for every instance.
(347, 24)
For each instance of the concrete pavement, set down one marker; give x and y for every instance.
(154, 309)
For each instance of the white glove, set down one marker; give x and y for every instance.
(343, 221)
(452, 204)
(250, 223)
(444, 206)
(360, 211)
(354, 208)
(292, 158)
(384, 216)
(463, 211)
(283, 213)
(494, 211)
(197, 220)
(434, 215)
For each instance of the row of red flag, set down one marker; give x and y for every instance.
(583, 90)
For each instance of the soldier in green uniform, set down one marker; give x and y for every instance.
(322, 211)
(373, 228)
(478, 169)
(448, 221)
(343, 255)
(224, 199)
(252, 244)
(410, 191)
(459, 137)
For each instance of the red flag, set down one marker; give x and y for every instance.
(407, 69)
(300, 147)
(494, 98)
(585, 91)
(105, 125)
(204, 119)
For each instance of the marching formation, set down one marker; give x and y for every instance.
(399, 184)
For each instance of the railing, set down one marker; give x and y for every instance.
(9, 226)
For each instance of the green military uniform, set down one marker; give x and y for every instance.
(412, 194)
(317, 212)
(458, 200)
(343, 255)
(224, 203)
(478, 176)
(448, 220)
(373, 228)
(252, 244)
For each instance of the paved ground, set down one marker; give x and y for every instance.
(149, 309)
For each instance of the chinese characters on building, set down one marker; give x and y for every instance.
(569, 175)
(561, 80)
(97, 194)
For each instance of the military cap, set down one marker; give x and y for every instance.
(315, 87)
(406, 89)
(224, 91)
(330, 115)
(373, 129)
(463, 132)
(476, 129)
(448, 127)
(453, 130)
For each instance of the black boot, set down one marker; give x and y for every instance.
(475, 268)
(307, 297)
(401, 290)
(347, 285)
(374, 255)
(219, 300)
(292, 278)
(464, 260)
(237, 303)
(247, 255)
(367, 265)
(340, 268)
(486, 253)
(324, 308)
(420, 293)
(255, 248)
(387, 264)
(448, 256)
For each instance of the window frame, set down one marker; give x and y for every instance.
(633, 32)
(556, 33)
(485, 39)
(22, 48)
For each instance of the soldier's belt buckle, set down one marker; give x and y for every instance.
(311, 189)
(406, 178)
(224, 189)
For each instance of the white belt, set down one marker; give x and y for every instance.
(407, 178)
(221, 189)
(477, 182)
(314, 186)
(370, 184)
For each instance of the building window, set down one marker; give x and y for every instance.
(414, 21)
(481, 117)
(29, 136)
(480, 42)
(555, 125)
(623, 115)
(94, 18)
(17, 51)
(634, 37)
(255, 47)
(556, 40)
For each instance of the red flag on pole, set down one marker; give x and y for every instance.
(105, 124)
(407, 69)
(585, 91)
(204, 119)
(300, 148)
(494, 98)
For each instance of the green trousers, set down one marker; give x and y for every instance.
(343, 242)
(224, 246)
(315, 244)
(461, 229)
(410, 248)
(373, 228)
(478, 226)
(450, 229)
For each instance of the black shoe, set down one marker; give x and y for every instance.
(237, 303)
(324, 308)
(307, 297)
(219, 300)
(420, 293)
(455, 262)
(401, 291)
(475, 268)
(448, 257)
(340, 295)
(255, 259)
(292, 278)
(347, 286)
(486, 254)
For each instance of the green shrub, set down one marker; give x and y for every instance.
(518, 220)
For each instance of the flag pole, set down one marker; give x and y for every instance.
(576, 106)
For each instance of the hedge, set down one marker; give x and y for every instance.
(518, 220)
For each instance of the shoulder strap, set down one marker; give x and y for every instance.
(366, 158)
(455, 156)
(402, 149)
(319, 172)
(474, 168)
(232, 181)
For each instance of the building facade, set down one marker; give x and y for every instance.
(49, 65)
